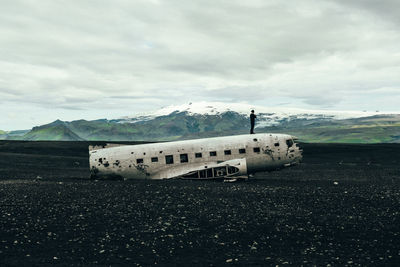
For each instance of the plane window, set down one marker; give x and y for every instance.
(219, 171)
(155, 159)
(232, 169)
(227, 152)
(289, 142)
(276, 144)
(242, 151)
(198, 155)
(255, 140)
(184, 158)
(256, 149)
(213, 153)
(139, 161)
(169, 159)
(202, 174)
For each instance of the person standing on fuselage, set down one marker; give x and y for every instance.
(252, 121)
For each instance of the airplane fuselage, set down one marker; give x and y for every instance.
(247, 154)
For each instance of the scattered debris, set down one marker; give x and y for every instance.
(230, 180)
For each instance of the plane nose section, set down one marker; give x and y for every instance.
(299, 156)
(298, 151)
(296, 154)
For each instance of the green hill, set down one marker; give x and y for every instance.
(3, 135)
(375, 129)
(52, 132)
(11, 135)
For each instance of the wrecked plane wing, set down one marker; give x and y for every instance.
(229, 157)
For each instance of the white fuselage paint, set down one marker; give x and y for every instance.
(249, 153)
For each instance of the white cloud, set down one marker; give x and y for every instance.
(120, 57)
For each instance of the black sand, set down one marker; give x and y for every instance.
(340, 207)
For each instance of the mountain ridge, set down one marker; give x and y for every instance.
(55, 131)
(196, 120)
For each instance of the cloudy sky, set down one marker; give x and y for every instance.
(95, 59)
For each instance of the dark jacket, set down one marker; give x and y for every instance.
(252, 118)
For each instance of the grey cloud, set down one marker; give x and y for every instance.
(91, 54)
(325, 101)
(388, 10)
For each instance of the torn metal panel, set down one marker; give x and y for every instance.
(108, 145)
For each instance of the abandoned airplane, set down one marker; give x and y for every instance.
(226, 158)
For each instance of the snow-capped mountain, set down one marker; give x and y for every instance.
(266, 116)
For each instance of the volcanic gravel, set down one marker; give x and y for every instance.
(341, 206)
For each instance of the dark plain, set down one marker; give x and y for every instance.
(341, 206)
